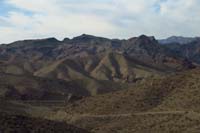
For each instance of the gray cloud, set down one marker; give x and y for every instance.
(109, 18)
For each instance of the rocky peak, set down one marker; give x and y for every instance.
(66, 40)
(88, 39)
(143, 39)
(84, 37)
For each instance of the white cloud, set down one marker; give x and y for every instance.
(109, 18)
(40, 6)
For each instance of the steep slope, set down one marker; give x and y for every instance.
(95, 73)
(25, 57)
(150, 52)
(67, 69)
(117, 67)
(78, 71)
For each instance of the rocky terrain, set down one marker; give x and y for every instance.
(100, 85)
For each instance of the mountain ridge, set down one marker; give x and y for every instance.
(91, 59)
(100, 84)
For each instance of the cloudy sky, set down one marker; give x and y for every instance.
(29, 19)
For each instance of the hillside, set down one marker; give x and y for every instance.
(152, 105)
(111, 68)
(15, 123)
(16, 87)
(160, 104)
(174, 92)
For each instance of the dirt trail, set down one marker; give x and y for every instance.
(86, 116)
(160, 113)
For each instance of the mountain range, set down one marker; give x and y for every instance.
(93, 64)
(88, 78)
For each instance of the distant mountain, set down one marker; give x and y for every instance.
(191, 50)
(177, 39)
